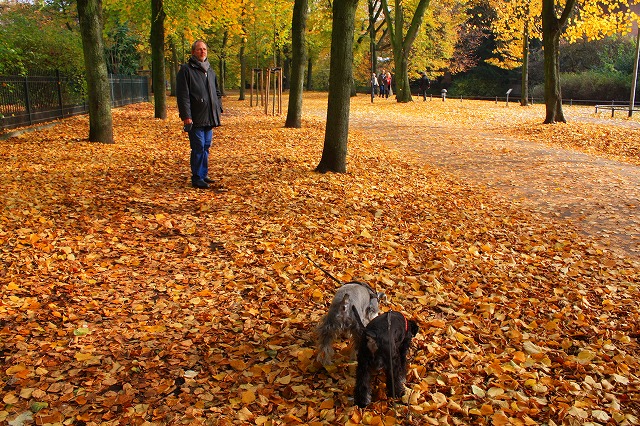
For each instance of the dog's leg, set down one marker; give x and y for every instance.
(362, 392)
(399, 368)
(395, 381)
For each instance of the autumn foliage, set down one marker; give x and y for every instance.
(128, 297)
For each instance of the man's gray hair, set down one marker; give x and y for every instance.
(193, 46)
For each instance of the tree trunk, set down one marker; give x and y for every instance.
(157, 59)
(334, 153)
(309, 70)
(552, 28)
(402, 44)
(173, 68)
(100, 120)
(403, 90)
(524, 87)
(372, 37)
(222, 73)
(243, 68)
(298, 47)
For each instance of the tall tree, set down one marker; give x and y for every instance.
(100, 120)
(334, 153)
(298, 47)
(402, 43)
(517, 23)
(594, 19)
(552, 27)
(157, 58)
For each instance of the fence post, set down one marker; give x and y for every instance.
(27, 98)
(59, 81)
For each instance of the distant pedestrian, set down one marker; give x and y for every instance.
(200, 107)
(387, 83)
(374, 85)
(424, 85)
(382, 83)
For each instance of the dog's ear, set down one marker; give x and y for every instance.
(413, 327)
(346, 303)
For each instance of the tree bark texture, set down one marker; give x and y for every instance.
(524, 87)
(334, 153)
(173, 67)
(298, 59)
(243, 68)
(309, 71)
(222, 73)
(552, 28)
(100, 119)
(157, 59)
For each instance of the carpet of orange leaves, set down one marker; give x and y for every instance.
(127, 297)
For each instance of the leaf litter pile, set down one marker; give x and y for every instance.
(127, 297)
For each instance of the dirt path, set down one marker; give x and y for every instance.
(600, 197)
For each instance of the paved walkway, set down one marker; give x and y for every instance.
(599, 196)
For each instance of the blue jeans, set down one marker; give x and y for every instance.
(200, 141)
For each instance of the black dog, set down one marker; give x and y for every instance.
(385, 345)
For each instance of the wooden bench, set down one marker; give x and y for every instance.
(615, 108)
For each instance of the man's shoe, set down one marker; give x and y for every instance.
(207, 180)
(201, 184)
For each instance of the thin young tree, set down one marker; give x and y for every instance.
(157, 58)
(100, 119)
(334, 153)
(298, 48)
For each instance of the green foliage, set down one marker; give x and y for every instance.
(120, 50)
(482, 81)
(592, 85)
(612, 54)
(32, 41)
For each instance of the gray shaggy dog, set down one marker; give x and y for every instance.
(341, 321)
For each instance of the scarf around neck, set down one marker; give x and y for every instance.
(204, 66)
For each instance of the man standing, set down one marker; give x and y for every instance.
(382, 82)
(200, 107)
(424, 85)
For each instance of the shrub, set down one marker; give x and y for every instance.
(483, 81)
(594, 86)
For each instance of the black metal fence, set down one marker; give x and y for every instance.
(37, 99)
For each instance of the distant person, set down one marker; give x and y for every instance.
(382, 82)
(200, 106)
(374, 85)
(387, 82)
(424, 86)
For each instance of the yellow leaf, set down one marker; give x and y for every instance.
(327, 404)
(284, 380)
(244, 414)
(365, 234)
(81, 356)
(10, 399)
(585, 356)
(15, 369)
(248, 397)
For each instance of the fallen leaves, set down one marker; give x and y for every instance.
(128, 297)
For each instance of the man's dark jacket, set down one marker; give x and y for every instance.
(198, 95)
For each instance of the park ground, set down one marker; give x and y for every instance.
(128, 297)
